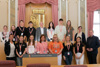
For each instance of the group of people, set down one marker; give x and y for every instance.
(58, 40)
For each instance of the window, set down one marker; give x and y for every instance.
(96, 23)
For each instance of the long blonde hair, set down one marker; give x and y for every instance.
(69, 40)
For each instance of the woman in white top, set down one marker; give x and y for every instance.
(31, 45)
(4, 36)
(10, 49)
(50, 31)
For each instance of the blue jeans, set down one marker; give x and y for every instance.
(68, 58)
(19, 61)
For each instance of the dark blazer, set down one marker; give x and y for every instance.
(33, 33)
(93, 42)
(18, 31)
(38, 33)
(83, 38)
(7, 48)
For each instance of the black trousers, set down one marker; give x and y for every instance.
(11, 58)
(92, 58)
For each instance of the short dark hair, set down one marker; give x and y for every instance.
(21, 21)
(79, 38)
(52, 25)
(60, 19)
(79, 27)
(30, 22)
(10, 35)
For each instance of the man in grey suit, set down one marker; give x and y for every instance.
(41, 30)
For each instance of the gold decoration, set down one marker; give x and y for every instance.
(37, 17)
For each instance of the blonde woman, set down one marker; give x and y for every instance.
(68, 50)
(56, 47)
(4, 36)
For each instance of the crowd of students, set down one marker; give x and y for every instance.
(58, 40)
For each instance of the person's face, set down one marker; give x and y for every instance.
(30, 25)
(80, 29)
(22, 24)
(11, 37)
(31, 38)
(60, 22)
(5, 28)
(91, 33)
(67, 38)
(21, 39)
(41, 24)
(42, 38)
(78, 40)
(68, 23)
(55, 38)
(13, 28)
(51, 25)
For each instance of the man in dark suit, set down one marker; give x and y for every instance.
(41, 30)
(92, 47)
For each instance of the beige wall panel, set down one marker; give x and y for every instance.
(12, 12)
(3, 13)
(73, 13)
(82, 14)
(63, 10)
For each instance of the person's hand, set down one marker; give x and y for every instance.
(68, 31)
(17, 36)
(58, 53)
(79, 57)
(76, 57)
(64, 57)
(88, 49)
(91, 49)
(20, 56)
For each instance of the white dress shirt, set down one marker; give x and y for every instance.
(60, 31)
(42, 30)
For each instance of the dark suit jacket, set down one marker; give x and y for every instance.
(33, 32)
(7, 48)
(83, 38)
(93, 42)
(38, 34)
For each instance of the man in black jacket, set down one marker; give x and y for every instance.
(30, 30)
(92, 47)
